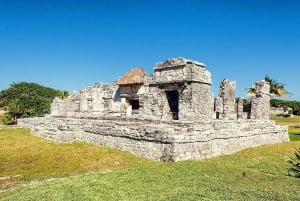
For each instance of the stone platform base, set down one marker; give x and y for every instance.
(162, 141)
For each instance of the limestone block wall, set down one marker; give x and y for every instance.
(144, 141)
(153, 103)
(67, 106)
(186, 109)
(57, 107)
(86, 99)
(97, 94)
(179, 69)
(100, 99)
(159, 140)
(280, 111)
(178, 89)
(196, 103)
(202, 102)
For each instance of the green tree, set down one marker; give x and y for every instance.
(28, 99)
(15, 109)
(295, 105)
(276, 89)
(63, 94)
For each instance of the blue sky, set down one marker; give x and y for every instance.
(71, 44)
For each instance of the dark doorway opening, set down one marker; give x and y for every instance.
(135, 104)
(173, 100)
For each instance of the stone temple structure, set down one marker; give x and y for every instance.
(169, 115)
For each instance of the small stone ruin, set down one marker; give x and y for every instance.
(169, 115)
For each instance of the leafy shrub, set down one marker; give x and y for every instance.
(295, 105)
(295, 169)
(27, 100)
(8, 119)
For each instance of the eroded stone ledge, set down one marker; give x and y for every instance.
(161, 141)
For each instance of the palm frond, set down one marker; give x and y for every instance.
(295, 163)
(251, 91)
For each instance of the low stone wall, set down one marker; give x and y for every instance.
(280, 111)
(164, 141)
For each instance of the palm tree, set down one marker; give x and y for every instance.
(276, 88)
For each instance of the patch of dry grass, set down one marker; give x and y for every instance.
(24, 157)
(289, 121)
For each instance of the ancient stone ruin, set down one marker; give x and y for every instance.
(169, 115)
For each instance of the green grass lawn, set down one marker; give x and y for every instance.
(292, 122)
(294, 133)
(87, 172)
(253, 174)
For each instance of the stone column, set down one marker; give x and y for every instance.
(76, 105)
(226, 93)
(73, 103)
(260, 107)
(90, 104)
(106, 106)
(57, 107)
(218, 108)
(240, 108)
